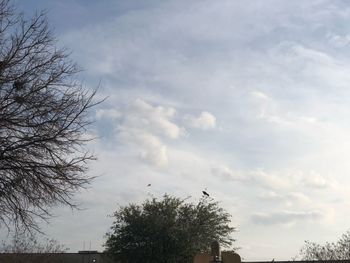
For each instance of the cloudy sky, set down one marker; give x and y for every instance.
(248, 99)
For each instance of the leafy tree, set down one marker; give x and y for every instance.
(339, 250)
(168, 230)
(43, 119)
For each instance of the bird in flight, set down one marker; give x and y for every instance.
(205, 193)
(149, 185)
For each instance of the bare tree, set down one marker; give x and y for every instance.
(339, 250)
(24, 243)
(27, 247)
(43, 120)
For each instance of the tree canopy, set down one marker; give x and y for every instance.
(168, 230)
(339, 250)
(43, 120)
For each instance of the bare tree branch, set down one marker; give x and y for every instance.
(43, 119)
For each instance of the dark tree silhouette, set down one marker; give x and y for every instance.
(27, 247)
(339, 250)
(168, 230)
(22, 243)
(43, 118)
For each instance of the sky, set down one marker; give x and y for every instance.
(247, 99)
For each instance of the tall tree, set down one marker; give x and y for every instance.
(168, 230)
(43, 118)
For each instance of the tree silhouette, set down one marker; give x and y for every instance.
(168, 230)
(43, 120)
(339, 250)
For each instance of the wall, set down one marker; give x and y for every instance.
(55, 258)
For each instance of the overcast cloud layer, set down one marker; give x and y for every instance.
(249, 99)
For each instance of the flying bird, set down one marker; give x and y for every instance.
(205, 193)
(149, 185)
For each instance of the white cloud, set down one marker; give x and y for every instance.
(149, 128)
(287, 199)
(270, 180)
(259, 177)
(267, 109)
(278, 185)
(148, 147)
(108, 113)
(339, 41)
(146, 128)
(204, 121)
(155, 119)
(286, 217)
(225, 173)
(260, 95)
(271, 196)
(289, 181)
(271, 110)
(299, 197)
(153, 150)
(315, 180)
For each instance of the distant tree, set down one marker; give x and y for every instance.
(168, 230)
(43, 119)
(339, 250)
(26, 248)
(22, 242)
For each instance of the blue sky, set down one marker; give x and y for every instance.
(249, 99)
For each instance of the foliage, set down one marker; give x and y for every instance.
(43, 119)
(339, 250)
(168, 230)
